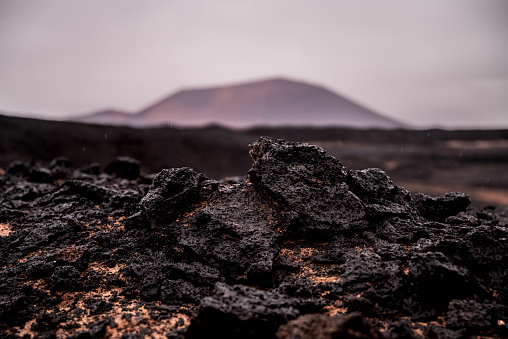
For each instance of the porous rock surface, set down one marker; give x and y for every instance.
(302, 248)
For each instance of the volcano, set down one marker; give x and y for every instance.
(273, 102)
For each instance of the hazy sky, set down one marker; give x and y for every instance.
(426, 62)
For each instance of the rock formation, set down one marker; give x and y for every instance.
(299, 248)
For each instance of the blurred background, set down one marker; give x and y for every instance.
(417, 88)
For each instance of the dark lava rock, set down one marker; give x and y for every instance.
(60, 162)
(441, 207)
(181, 290)
(299, 248)
(320, 326)
(173, 191)
(241, 312)
(41, 174)
(123, 167)
(66, 278)
(435, 280)
(307, 181)
(373, 186)
(19, 168)
(381, 198)
(435, 331)
(401, 330)
(239, 246)
(48, 320)
(468, 314)
(92, 169)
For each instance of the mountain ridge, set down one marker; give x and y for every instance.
(270, 102)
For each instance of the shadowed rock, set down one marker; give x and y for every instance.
(234, 235)
(173, 191)
(66, 278)
(319, 326)
(242, 312)
(308, 182)
(123, 167)
(441, 207)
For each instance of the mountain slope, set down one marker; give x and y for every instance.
(274, 102)
(107, 117)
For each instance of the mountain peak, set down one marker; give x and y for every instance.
(277, 101)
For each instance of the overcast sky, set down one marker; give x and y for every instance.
(425, 62)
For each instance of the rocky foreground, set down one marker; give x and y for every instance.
(300, 248)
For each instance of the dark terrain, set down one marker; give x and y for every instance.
(300, 247)
(429, 161)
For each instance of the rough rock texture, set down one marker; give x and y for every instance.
(321, 326)
(123, 167)
(301, 248)
(438, 208)
(242, 312)
(307, 182)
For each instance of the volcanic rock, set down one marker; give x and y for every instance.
(320, 326)
(438, 208)
(313, 189)
(302, 247)
(242, 312)
(66, 277)
(173, 191)
(123, 167)
(18, 167)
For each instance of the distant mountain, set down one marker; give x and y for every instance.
(106, 117)
(274, 102)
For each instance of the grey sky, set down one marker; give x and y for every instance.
(427, 62)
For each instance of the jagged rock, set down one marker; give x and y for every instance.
(39, 267)
(19, 168)
(362, 267)
(95, 330)
(68, 191)
(441, 207)
(60, 167)
(468, 314)
(240, 245)
(241, 312)
(60, 162)
(484, 251)
(306, 180)
(172, 193)
(181, 290)
(434, 331)
(401, 330)
(320, 326)
(41, 174)
(382, 199)
(47, 320)
(372, 185)
(92, 169)
(66, 278)
(390, 251)
(44, 234)
(435, 281)
(123, 167)
(98, 306)
(462, 218)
